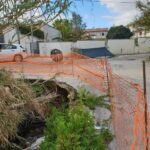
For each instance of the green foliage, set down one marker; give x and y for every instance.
(64, 26)
(106, 135)
(136, 42)
(73, 129)
(90, 100)
(78, 26)
(27, 30)
(119, 32)
(16, 10)
(71, 30)
(144, 19)
(39, 89)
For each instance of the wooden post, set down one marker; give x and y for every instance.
(145, 98)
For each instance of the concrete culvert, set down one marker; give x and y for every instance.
(56, 55)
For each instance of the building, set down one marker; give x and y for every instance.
(96, 33)
(138, 32)
(50, 34)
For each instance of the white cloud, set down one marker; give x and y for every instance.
(107, 16)
(125, 10)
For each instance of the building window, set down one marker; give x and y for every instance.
(103, 34)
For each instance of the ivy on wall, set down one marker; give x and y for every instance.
(26, 30)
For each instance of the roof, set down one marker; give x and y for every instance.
(97, 30)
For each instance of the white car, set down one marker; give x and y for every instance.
(12, 52)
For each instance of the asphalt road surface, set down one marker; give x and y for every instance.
(130, 68)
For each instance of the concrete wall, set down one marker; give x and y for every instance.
(114, 46)
(120, 46)
(45, 48)
(128, 46)
(89, 44)
(66, 47)
(144, 45)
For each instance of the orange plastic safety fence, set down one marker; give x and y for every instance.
(90, 70)
(128, 114)
(128, 105)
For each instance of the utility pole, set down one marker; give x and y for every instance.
(31, 45)
(18, 33)
(17, 25)
(145, 98)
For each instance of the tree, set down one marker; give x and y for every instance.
(78, 26)
(71, 30)
(144, 19)
(16, 12)
(65, 27)
(119, 32)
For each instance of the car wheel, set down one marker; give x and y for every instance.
(18, 58)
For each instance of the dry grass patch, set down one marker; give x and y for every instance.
(12, 93)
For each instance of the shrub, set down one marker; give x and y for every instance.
(91, 100)
(73, 129)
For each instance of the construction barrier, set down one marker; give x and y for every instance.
(127, 99)
(128, 114)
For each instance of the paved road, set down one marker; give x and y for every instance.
(130, 67)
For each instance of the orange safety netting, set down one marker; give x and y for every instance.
(127, 100)
(128, 114)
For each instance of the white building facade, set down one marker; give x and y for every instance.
(50, 34)
(97, 33)
(138, 31)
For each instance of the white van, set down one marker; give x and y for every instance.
(12, 52)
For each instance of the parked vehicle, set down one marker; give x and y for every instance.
(12, 52)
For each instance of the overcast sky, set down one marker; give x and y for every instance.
(106, 13)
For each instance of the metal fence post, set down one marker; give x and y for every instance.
(145, 98)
